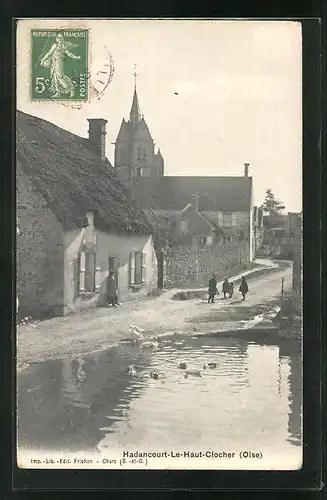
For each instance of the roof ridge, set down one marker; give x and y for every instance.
(211, 224)
(73, 178)
(47, 122)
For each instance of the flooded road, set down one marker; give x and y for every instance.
(250, 398)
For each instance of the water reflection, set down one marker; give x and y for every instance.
(290, 355)
(253, 395)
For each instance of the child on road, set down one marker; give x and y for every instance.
(243, 287)
(225, 287)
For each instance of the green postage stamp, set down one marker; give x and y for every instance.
(59, 65)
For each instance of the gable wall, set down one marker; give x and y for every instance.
(120, 246)
(40, 252)
(106, 245)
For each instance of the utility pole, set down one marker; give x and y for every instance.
(240, 248)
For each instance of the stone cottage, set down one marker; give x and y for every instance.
(76, 223)
(192, 228)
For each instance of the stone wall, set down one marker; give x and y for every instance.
(193, 266)
(40, 253)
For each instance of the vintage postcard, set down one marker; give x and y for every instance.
(159, 237)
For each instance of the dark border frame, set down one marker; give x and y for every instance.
(309, 477)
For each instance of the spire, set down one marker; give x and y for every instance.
(135, 114)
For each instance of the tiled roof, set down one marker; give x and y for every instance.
(124, 133)
(225, 194)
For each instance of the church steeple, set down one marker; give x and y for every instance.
(135, 114)
(134, 148)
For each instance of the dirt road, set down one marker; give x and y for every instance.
(100, 328)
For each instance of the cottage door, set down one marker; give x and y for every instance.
(113, 266)
(161, 262)
(76, 276)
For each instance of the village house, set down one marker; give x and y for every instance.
(291, 223)
(280, 234)
(223, 204)
(192, 229)
(76, 223)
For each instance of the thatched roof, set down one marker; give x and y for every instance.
(73, 179)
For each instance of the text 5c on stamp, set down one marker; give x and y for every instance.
(59, 65)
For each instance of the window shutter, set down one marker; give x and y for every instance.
(97, 277)
(143, 268)
(82, 272)
(132, 268)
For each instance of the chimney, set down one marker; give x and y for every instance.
(246, 169)
(97, 136)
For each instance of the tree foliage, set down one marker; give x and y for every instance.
(162, 229)
(271, 205)
(273, 211)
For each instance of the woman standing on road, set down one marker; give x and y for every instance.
(243, 287)
(112, 292)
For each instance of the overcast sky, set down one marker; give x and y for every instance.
(215, 94)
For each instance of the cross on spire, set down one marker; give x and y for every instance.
(135, 75)
(135, 114)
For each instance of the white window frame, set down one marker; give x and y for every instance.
(230, 218)
(143, 270)
(81, 272)
(97, 278)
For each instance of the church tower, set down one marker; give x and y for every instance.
(134, 148)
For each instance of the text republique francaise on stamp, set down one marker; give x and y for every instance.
(59, 65)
